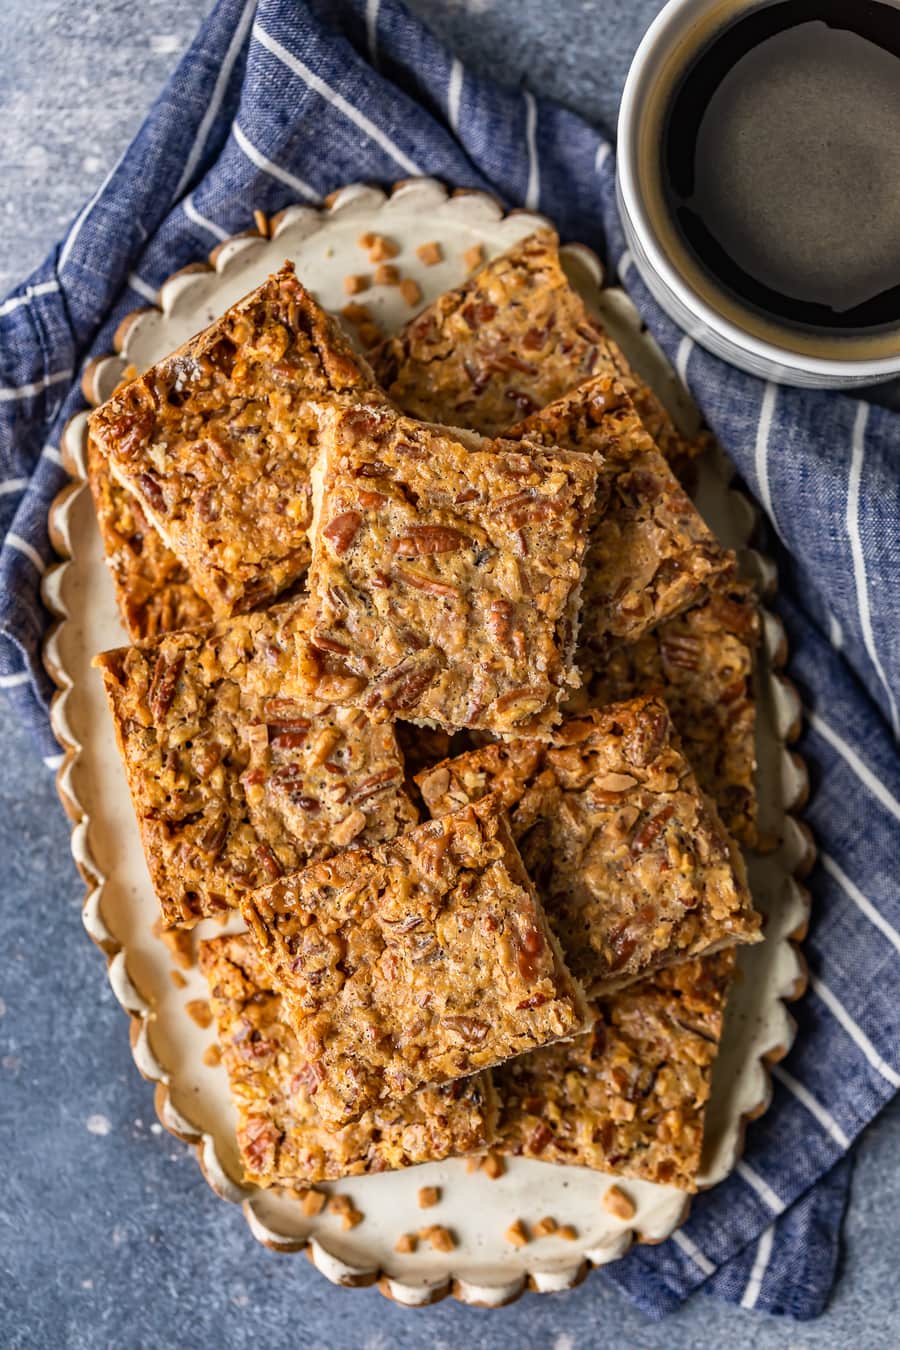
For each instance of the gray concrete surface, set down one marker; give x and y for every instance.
(109, 1237)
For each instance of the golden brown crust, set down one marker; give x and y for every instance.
(153, 590)
(414, 962)
(445, 579)
(512, 339)
(281, 1137)
(630, 1096)
(702, 663)
(632, 862)
(235, 781)
(216, 441)
(651, 554)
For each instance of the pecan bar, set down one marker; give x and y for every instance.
(445, 575)
(217, 440)
(514, 338)
(153, 590)
(281, 1136)
(702, 662)
(630, 1096)
(414, 962)
(650, 554)
(632, 862)
(234, 781)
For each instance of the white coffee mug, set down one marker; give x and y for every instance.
(752, 342)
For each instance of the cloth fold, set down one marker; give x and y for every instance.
(283, 101)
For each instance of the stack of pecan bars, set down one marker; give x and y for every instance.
(439, 680)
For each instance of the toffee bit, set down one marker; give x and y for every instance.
(386, 274)
(566, 1232)
(406, 1243)
(212, 1055)
(517, 1234)
(177, 979)
(545, 1227)
(313, 1203)
(354, 284)
(493, 1166)
(411, 291)
(473, 257)
(382, 249)
(473, 1164)
(439, 1237)
(178, 941)
(428, 1196)
(430, 253)
(366, 240)
(618, 1203)
(199, 1011)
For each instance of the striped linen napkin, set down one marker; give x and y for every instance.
(279, 101)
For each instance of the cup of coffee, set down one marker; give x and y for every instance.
(759, 182)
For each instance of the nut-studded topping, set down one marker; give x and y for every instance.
(389, 976)
(512, 339)
(651, 553)
(704, 661)
(631, 861)
(628, 1097)
(234, 781)
(281, 1137)
(218, 439)
(450, 591)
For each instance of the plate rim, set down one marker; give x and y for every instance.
(97, 373)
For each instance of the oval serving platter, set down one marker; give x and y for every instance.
(120, 909)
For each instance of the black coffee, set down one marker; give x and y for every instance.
(781, 163)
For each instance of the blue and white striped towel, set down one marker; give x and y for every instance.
(280, 100)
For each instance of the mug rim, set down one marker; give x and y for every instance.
(654, 45)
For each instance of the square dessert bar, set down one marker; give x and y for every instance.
(445, 576)
(650, 553)
(216, 441)
(234, 781)
(702, 662)
(153, 590)
(631, 861)
(629, 1097)
(513, 338)
(414, 962)
(281, 1136)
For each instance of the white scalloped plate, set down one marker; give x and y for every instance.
(120, 909)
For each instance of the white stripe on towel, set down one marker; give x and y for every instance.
(336, 100)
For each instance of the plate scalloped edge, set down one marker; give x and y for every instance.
(98, 378)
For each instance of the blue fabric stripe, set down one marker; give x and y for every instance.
(271, 128)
